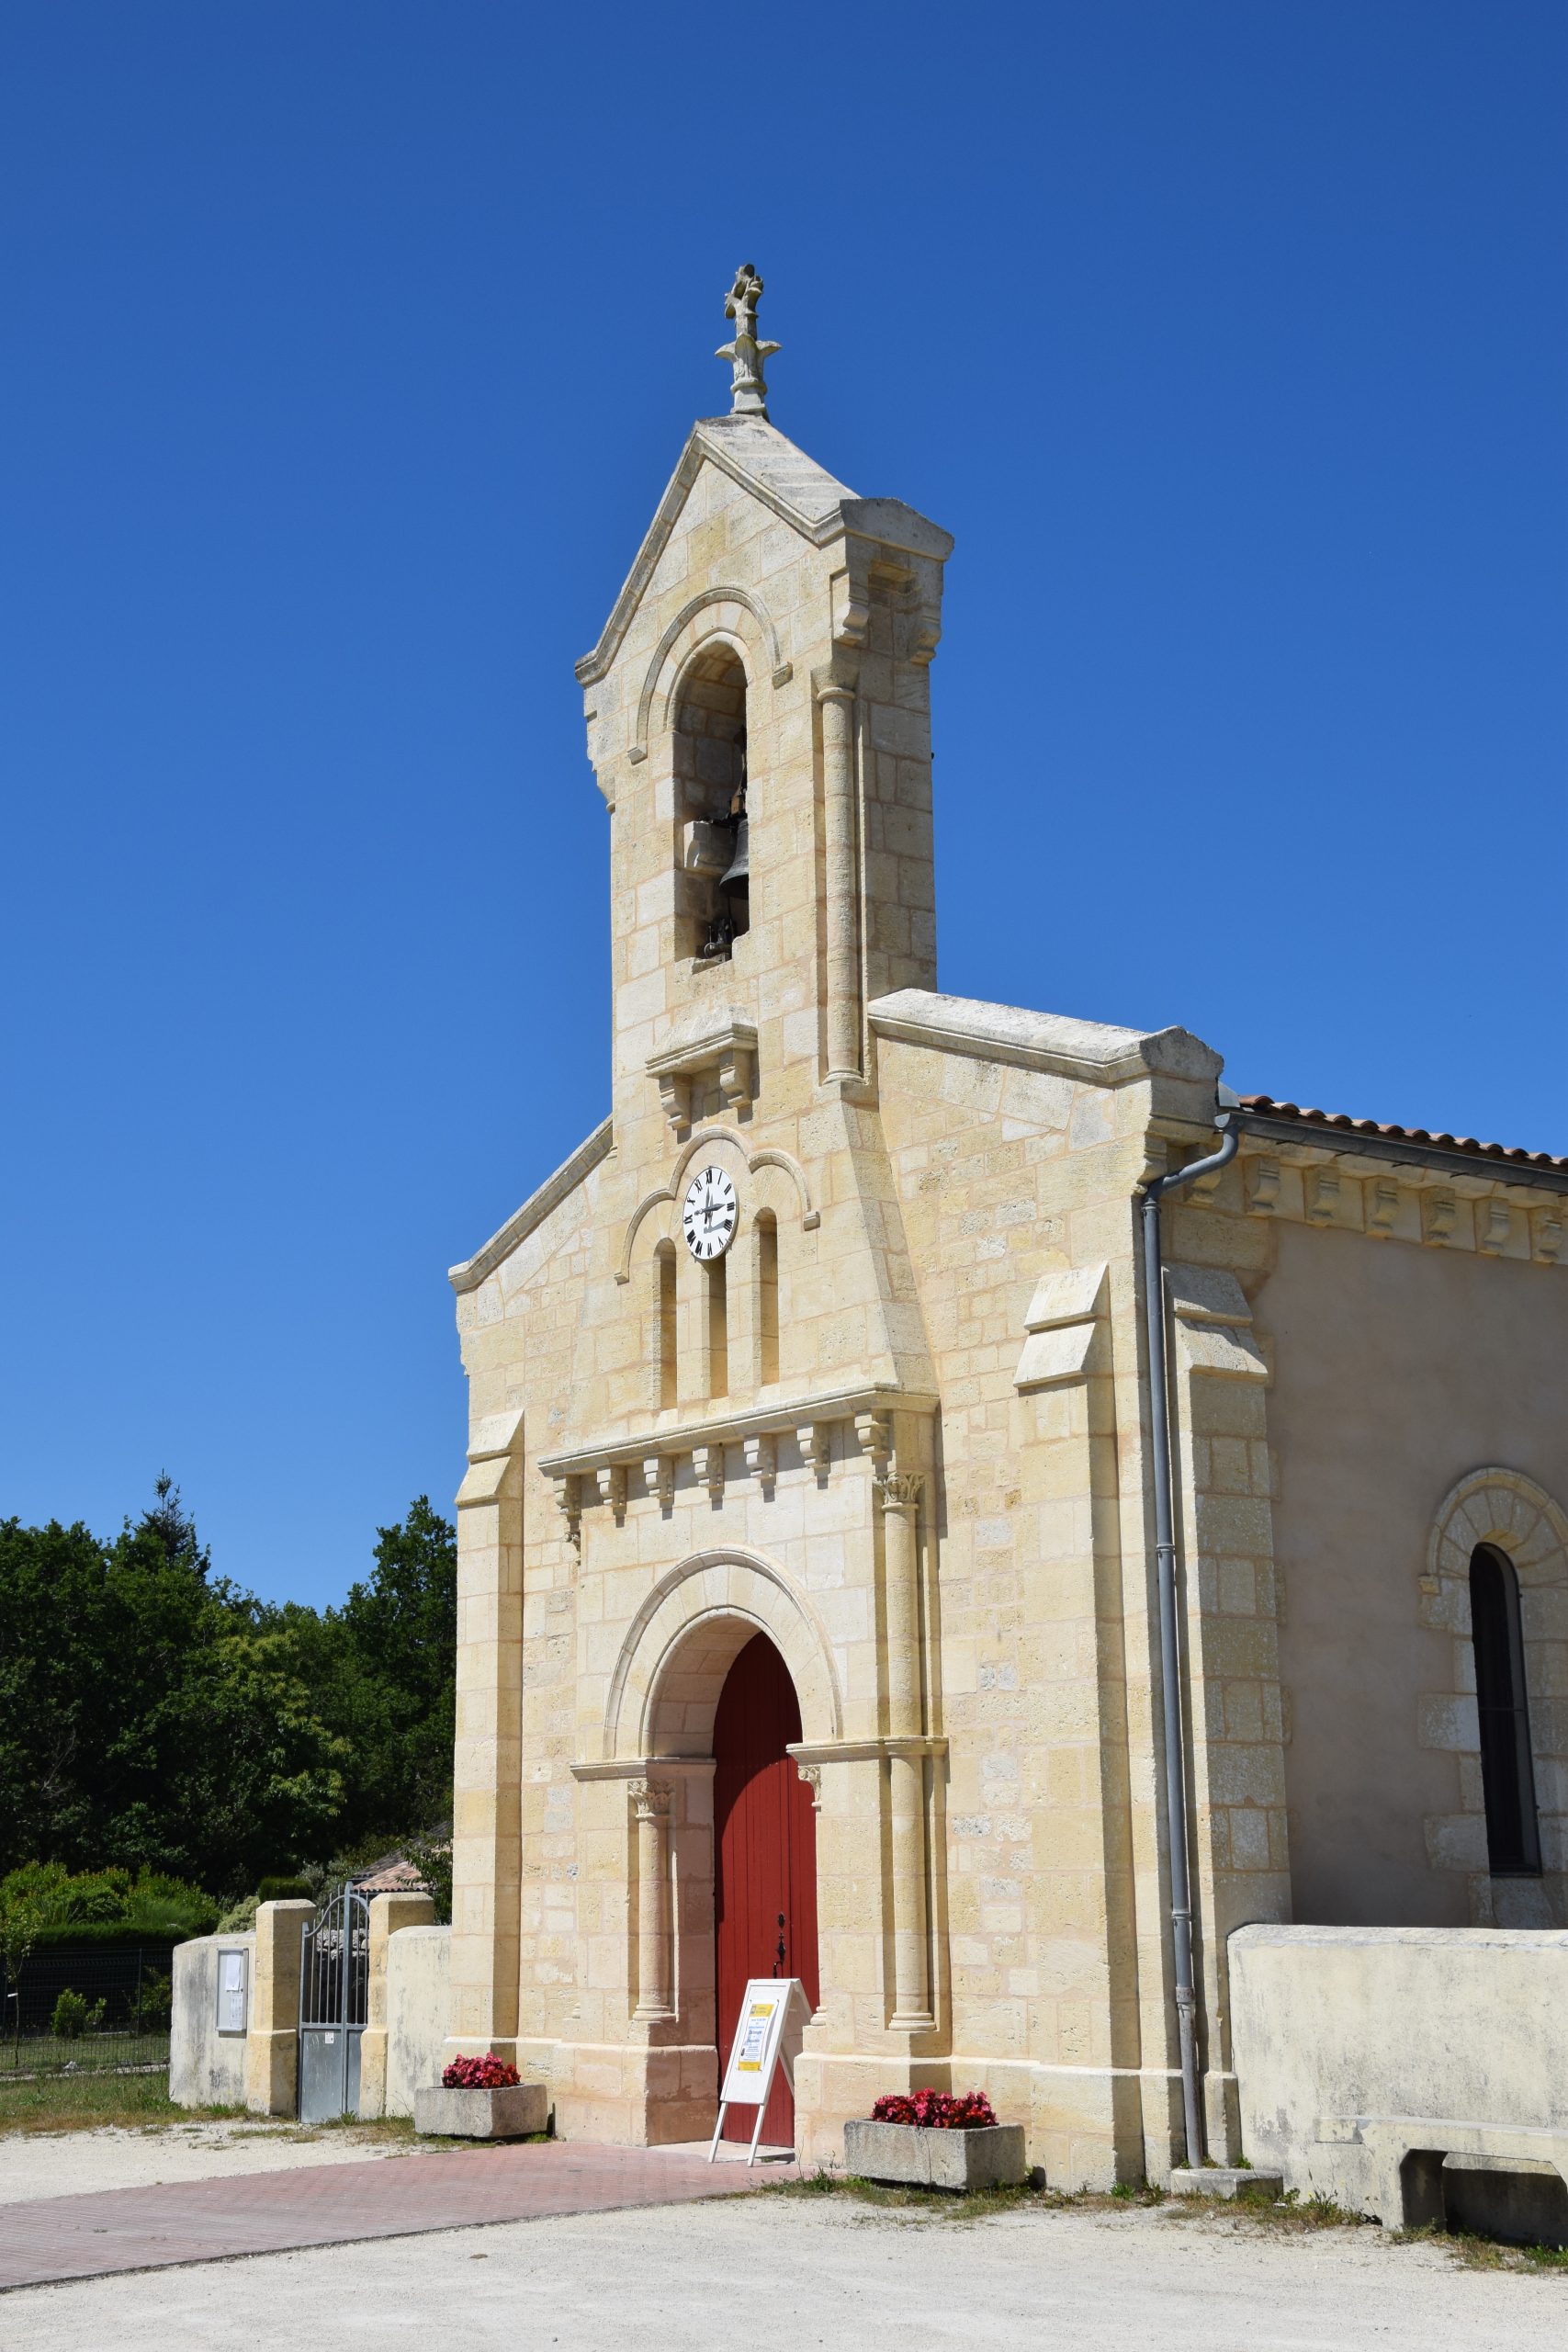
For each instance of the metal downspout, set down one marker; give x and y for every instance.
(1169, 1634)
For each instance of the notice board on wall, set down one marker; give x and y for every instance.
(232, 1970)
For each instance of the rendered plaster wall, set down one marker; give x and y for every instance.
(206, 2068)
(1443, 2027)
(1397, 1369)
(417, 1990)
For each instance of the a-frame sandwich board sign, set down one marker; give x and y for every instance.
(774, 2011)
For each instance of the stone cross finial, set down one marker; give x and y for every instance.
(747, 392)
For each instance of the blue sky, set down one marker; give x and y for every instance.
(351, 346)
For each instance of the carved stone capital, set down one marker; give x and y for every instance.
(901, 1489)
(650, 1799)
(812, 1775)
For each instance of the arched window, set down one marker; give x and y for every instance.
(664, 1323)
(1507, 1778)
(716, 1276)
(712, 831)
(767, 1231)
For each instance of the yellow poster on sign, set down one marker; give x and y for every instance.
(751, 2051)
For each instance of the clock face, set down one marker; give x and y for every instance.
(709, 1213)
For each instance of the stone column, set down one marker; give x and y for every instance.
(388, 1914)
(842, 894)
(486, 1759)
(272, 2046)
(900, 1497)
(650, 1800)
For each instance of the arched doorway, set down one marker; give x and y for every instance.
(764, 1857)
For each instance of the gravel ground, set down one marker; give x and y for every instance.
(60, 2163)
(781, 2274)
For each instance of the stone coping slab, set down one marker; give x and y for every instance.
(54, 2238)
(1225, 2180)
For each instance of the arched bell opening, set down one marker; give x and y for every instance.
(711, 781)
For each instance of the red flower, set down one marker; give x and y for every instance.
(930, 2110)
(486, 2074)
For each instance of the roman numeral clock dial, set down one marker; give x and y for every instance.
(710, 1212)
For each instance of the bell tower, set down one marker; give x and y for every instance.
(758, 723)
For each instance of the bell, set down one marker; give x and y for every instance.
(736, 875)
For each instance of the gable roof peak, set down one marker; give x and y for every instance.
(800, 491)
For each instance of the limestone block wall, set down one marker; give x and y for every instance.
(206, 2068)
(1017, 1188)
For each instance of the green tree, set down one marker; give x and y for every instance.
(389, 1690)
(149, 1717)
(155, 1718)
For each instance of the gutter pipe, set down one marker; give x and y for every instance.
(1228, 1121)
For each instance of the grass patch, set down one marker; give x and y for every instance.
(1291, 2213)
(922, 2204)
(1486, 2253)
(84, 2102)
(47, 2053)
(141, 2102)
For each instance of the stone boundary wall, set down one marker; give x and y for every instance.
(406, 2021)
(1356, 2048)
(207, 2068)
(418, 1964)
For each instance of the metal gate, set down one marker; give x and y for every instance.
(335, 1976)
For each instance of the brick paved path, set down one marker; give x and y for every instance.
(53, 2238)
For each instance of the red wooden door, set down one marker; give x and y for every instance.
(764, 1858)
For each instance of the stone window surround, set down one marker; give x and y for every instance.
(1501, 1507)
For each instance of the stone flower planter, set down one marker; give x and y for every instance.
(510, 2114)
(991, 2157)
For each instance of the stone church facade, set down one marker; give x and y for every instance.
(833, 1334)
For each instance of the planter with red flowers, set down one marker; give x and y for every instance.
(933, 2140)
(481, 2098)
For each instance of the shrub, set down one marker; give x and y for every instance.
(936, 2110)
(108, 1906)
(486, 2074)
(284, 1890)
(157, 2002)
(75, 2015)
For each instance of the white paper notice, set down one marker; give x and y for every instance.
(232, 1992)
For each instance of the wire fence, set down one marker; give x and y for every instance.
(87, 2010)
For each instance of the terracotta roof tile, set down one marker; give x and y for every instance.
(1266, 1106)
